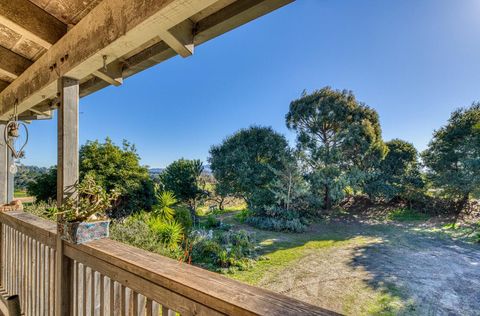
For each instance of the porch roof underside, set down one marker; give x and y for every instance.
(101, 42)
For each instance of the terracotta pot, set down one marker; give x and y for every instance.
(81, 232)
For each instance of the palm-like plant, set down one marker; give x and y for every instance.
(163, 209)
(170, 233)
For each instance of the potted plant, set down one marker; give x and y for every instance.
(82, 216)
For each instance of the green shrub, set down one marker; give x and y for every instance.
(43, 209)
(184, 217)
(136, 232)
(224, 250)
(170, 233)
(268, 223)
(243, 215)
(163, 207)
(211, 222)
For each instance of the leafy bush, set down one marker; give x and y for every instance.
(42, 209)
(223, 250)
(211, 222)
(269, 223)
(135, 231)
(44, 186)
(243, 215)
(163, 207)
(169, 233)
(184, 217)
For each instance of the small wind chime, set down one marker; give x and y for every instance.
(15, 140)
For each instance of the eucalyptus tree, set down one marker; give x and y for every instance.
(453, 156)
(340, 139)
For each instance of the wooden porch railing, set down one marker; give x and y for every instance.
(110, 278)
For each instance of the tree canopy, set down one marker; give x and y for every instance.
(398, 175)
(340, 139)
(115, 167)
(182, 178)
(243, 164)
(453, 156)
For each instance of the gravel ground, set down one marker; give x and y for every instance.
(394, 267)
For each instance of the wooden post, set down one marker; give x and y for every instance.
(67, 177)
(4, 166)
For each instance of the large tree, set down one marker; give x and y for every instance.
(115, 167)
(398, 175)
(183, 178)
(453, 156)
(244, 164)
(340, 139)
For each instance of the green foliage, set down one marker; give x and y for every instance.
(293, 225)
(46, 210)
(26, 175)
(289, 185)
(135, 231)
(211, 222)
(398, 175)
(89, 201)
(184, 217)
(165, 202)
(340, 140)
(182, 177)
(243, 215)
(170, 233)
(118, 168)
(228, 250)
(453, 156)
(44, 186)
(243, 164)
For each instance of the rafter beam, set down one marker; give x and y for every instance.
(31, 22)
(12, 65)
(233, 15)
(180, 38)
(112, 75)
(3, 85)
(228, 17)
(113, 28)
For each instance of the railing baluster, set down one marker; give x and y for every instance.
(101, 296)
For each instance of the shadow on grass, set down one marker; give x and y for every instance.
(429, 274)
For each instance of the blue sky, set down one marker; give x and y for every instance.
(414, 61)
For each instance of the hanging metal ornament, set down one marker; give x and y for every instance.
(11, 136)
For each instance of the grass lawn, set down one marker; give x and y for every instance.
(20, 194)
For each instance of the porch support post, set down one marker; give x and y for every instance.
(67, 177)
(6, 177)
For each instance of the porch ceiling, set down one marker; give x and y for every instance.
(42, 40)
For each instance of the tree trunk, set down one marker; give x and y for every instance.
(460, 207)
(327, 202)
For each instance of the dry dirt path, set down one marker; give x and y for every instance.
(382, 269)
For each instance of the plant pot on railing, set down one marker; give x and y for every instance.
(81, 232)
(82, 216)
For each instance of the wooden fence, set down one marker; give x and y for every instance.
(106, 277)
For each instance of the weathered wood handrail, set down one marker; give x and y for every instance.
(111, 278)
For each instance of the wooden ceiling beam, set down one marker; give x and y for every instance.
(180, 38)
(230, 16)
(113, 29)
(233, 15)
(31, 22)
(3, 85)
(12, 65)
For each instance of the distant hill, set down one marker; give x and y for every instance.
(155, 172)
